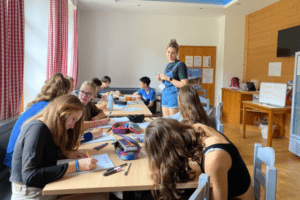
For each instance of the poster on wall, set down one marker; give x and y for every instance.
(275, 68)
(194, 75)
(206, 61)
(197, 61)
(208, 75)
(189, 61)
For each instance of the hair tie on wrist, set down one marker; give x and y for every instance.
(77, 165)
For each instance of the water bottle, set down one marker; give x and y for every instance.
(110, 106)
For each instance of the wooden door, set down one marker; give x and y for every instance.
(202, 51)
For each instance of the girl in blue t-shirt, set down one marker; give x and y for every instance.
(54, 87)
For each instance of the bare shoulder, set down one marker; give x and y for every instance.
(217, 161)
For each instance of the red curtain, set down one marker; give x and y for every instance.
(11, 56)
(3, 72)
(57, 50)
(74, 50)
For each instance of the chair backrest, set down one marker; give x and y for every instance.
(202, 192)
(206, 102)
(201, 91)
(264, 155)
(219, 110)
(219, 125)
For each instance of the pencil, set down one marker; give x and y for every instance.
(87, 153)
(126, 172)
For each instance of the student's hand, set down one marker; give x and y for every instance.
(97, 133)
(87, 164)
(75, 154)
(164, 77)
(103, 122)
(158, 77)
(101, 106)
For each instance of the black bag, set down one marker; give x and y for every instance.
(136, 118)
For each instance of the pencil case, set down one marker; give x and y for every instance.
(118, 102)
(127, 152)
(125, 127)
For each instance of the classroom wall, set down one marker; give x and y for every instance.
(36, 34)
(129, 46)
(261, 40)
(233, 48)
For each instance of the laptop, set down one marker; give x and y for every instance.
(251, 86)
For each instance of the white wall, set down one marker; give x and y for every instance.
(233, 48)
(129, 46)
(36, 34)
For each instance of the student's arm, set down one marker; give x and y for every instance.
(84, 165)
(34, 174)
(150, 104)
(152, 99)
(96, 123)
(138, 93)
(216, 165)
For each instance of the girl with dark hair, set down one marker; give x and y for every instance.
(54, 87)
(174, 77)
(171, 146)
(43, 139)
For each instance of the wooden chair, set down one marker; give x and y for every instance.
(206, 107)
(202, 192)
(264, 155)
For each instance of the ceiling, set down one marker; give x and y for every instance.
(164, 7)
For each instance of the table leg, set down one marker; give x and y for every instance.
(244, 120)
(270, 129)
(282, 128)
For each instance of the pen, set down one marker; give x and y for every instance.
(108, 114)
(111, 172)
(126, 172)
(100, 146)
(87, 153)
(123, 165)
(151, 118)
(109, 129)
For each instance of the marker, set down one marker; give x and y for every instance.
(87, 153)
(100, 146)
(151, 118)
(126, 172)
(109, 129)
(111, 172)
(123, 165)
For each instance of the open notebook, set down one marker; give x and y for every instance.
(104, 162)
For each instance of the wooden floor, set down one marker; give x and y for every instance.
(287, 163)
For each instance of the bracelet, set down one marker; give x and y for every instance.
(77, 165)
(95, 123)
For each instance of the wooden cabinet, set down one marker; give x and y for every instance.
(233, 106)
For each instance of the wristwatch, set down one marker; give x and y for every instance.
(170, 79)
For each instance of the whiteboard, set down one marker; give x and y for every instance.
(273, 93)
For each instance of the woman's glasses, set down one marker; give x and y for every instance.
(86, 93)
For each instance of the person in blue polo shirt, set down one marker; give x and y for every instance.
(147, 94)
(175, 76)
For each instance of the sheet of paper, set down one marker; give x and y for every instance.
(121, 119)
(206, 61)
(208, 75)
(161, 86)
(275, 68)
(106, 126)
(104, 162)
(104, 137)
(189, 61)
(298, 71)
(119, 107)
(197, 61)
(132, 102)
(144, 124)
(131, 109)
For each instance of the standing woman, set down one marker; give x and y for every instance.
(54, 87)
(45, 138)
(174, 77)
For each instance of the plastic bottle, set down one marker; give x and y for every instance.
(110, 106)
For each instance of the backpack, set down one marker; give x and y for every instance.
(235, 82)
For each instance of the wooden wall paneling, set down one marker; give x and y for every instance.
(262, 31)
(202, 51)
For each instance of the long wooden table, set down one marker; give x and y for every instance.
(138, 177)
(121, 113)
(271, 110)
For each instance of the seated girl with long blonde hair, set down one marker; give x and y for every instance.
(44, 139)
(93, 116)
